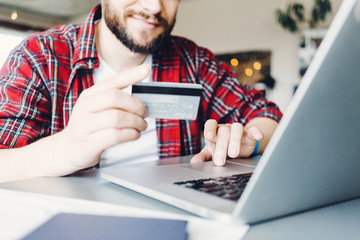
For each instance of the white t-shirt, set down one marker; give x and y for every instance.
(142, 150)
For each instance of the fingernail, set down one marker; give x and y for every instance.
(219, 161)
(257, 134)
(234, 153)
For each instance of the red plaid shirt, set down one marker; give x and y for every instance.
(44, 76)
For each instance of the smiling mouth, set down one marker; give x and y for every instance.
(146, 21)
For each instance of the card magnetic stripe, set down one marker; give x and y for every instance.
(166, 90)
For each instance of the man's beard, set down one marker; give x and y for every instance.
(119, 30)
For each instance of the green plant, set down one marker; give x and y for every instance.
(294, 15)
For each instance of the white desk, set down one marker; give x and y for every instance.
(336, 222)
(26, 204)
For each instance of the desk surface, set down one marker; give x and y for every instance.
(334, 222)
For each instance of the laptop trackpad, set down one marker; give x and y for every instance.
(228, 169)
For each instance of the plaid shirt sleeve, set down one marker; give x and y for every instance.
(24, 102)
(225, 99)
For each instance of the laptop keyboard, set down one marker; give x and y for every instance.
(225, 187)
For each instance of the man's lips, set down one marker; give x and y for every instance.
(150, 23)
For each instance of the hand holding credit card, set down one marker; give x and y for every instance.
(168, 100)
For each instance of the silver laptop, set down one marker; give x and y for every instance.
(312, 160)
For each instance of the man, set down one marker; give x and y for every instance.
(54, 120)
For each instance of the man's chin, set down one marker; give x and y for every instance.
(146, 39)
(147, 46)
(143, 42)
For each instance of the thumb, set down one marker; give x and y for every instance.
(253, 134)
(203, 156)
(127, 78)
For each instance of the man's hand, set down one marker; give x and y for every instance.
(233, 140)
(102, 117)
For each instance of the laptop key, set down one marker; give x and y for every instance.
(233, 196)
(230, 187)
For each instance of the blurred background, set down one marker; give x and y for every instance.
(269, 43)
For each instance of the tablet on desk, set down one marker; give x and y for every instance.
(95, 227)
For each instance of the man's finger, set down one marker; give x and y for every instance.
(127, 78)
(210, 130)
(110, 137)
(112, 99)
(202, 156)
(237, 130)
(222, 144)
(253, 134)
(115, 119)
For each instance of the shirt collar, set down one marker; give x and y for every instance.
(85, 48)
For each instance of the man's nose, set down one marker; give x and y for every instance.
(152, 6)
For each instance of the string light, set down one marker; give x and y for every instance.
(249, 72)
(234, 62)
(257, 66)
(14, 15)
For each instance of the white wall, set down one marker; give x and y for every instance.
(8, 41)
(226, 26)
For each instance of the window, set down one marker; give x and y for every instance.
(8, 41)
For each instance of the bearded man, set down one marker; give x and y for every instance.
(66, 103)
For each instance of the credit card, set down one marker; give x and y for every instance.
(169, 100)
